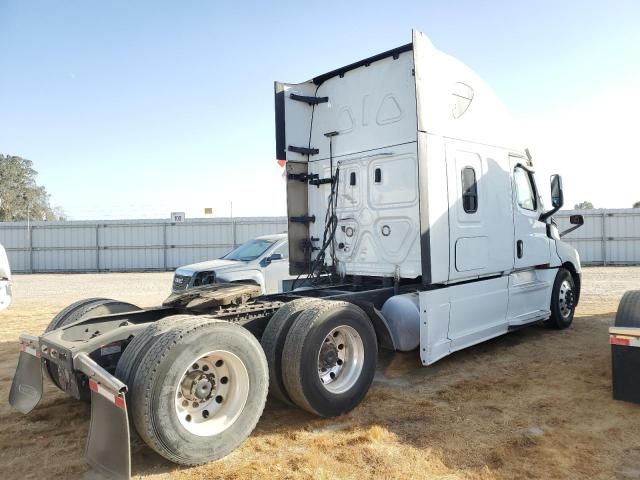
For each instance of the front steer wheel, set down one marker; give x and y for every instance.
(199, 390)
(329, 358)
(563, 301)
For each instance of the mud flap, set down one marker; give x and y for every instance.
(26, 387)
(108, 444)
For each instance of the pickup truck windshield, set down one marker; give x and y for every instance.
(249, 250)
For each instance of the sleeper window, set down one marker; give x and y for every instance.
(469, 190)
(524, 189)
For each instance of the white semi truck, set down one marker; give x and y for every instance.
(415, 223)
(5, 280)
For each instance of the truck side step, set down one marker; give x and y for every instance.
(303, 150)
(309, 100)
(312, 178)
(303, 219)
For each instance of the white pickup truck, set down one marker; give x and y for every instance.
(263, 261)
(5, 280)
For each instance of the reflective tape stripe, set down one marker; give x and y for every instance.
(115, 398)
(30, 350)
(624, 340)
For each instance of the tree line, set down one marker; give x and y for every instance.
(21, 197)
(586, 205)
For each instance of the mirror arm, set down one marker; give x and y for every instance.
(569, 230)
(544, 216)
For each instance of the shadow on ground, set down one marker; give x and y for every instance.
(535, 403)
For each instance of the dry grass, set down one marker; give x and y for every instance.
(532, 404)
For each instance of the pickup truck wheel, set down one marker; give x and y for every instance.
(628, 314)
(80, 310)
(272, 342)
(563, 301)
(199, 390)
(329, 358)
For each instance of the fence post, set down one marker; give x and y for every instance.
(233, 232)
(164, 245)
(97, 247)
(604, 240)
(30, 233)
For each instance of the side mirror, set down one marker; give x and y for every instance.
(576, 220)
(557, 195)
(276, 256)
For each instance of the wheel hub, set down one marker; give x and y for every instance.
(328, 355)
(566, 299)
(197, 386)
(340, 359)
(212, 392)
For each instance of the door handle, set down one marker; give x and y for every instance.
(520, 248)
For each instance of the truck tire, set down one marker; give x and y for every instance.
(59, 320)
(628, 314)
(272, 342)
(563, 298)
(80, 310)
(329, 358)
(138, 347)
(199, 390)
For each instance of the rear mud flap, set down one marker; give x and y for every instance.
(108, 443)
(26, 387)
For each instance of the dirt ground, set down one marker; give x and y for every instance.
(532, 404)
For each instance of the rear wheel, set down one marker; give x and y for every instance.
(628, 314)
(273, 339)
(81, 310)
(199, 390)
(140, 345)
(563, 301)
(329, 358)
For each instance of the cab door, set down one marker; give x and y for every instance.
(531, 245)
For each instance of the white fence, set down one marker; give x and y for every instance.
(608, 237)
(126, 245)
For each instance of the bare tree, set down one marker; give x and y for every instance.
(586, 205)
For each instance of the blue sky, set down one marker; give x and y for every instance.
(136, 109)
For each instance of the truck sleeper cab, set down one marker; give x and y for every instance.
(414, 223)
(430, 185)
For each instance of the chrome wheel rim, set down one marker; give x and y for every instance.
(340, 359)
(212, 392)
(566, 299)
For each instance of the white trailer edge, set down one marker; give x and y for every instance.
(5, 280)
(415, 223)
